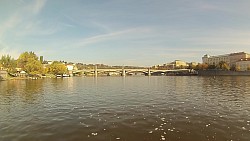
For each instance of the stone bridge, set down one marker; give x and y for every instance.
(125, 71)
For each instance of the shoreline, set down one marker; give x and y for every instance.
(199, 75)
(222, 73)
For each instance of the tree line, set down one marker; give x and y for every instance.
(200, 66)
(29, 62)
(221, 66)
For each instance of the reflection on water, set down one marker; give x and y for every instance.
(25, 90)
(126, 108)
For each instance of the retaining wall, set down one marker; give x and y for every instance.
(223, 73)
(3, 74)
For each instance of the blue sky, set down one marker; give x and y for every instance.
(124, 32)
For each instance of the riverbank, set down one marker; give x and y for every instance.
(222, 73)
(199, 73)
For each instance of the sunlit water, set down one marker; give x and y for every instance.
(128, 109)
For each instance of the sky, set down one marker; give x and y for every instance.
(124, 32)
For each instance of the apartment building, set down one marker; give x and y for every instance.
(230, 59)
(243, 64)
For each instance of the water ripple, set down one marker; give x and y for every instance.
(131, 108)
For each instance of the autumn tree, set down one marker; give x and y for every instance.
(33, 67)
(248, 68)
(57, 68)
(235, 68)
(211, 67)
(25, 57)
(223, 65)
(29, 62)
(192, 66)
(202, 66)
(80, 66)
(8, 62)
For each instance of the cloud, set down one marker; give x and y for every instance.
(5, 50)
(67, 25)
(184, 50)
(232, 41)
(38, 6)
(39, 28)
(208, 7)
(22, 14)
(112, 35)
(9, 23)
(101, 26)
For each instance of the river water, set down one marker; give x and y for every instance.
(171, 108)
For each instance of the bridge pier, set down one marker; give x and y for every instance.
(96, 71)
(149, 73)
(123, 72)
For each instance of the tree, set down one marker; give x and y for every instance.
(80, 66)
(192, 66)
(202, 66)
(29, 62)
(212, 67)
(8, 62)
(235, 68)
(248, 68)
(25, 57)
(223, 65)
(33, 67)
(57, 68)
(181, 67)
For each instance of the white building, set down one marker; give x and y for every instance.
(178, 64)
(70, 67)
(230, 59)
(243, 64)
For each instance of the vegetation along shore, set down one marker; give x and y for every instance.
(30, 66)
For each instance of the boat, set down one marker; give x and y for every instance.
(65, 75)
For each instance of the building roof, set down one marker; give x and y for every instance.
(237, 53)
(231, 54)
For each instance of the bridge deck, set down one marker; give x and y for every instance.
(132, 70)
